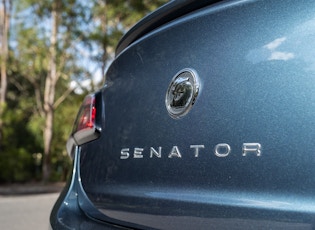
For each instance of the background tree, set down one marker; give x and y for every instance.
(52, 44)
(54, 48)
(5, 10)
(110, 20)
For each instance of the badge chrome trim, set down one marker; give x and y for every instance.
(182, 93)
(221, 150)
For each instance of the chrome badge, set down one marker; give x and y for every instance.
(182, 93)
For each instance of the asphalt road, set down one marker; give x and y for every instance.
(26, 212)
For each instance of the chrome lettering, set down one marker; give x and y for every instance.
(197, 147)
(155, 153)
(222, 150)
(251, 148)
(175, 153)
(138, 153)
(124, 154)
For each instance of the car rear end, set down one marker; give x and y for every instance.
(206, 121)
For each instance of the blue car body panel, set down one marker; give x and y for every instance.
(256, 65)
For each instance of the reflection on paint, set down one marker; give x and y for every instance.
(294, 45)
(270, 52)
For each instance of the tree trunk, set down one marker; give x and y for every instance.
(4, 27)
(49, 97)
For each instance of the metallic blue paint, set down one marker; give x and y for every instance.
(256, 64)
(67, 213)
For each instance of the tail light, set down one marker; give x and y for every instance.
(86, 127)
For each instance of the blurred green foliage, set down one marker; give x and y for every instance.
(87, 30)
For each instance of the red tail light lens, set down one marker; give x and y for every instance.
(85, 128)
(87, 114)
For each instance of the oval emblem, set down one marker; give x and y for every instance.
(182, 93)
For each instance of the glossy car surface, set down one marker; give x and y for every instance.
(240, 156)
